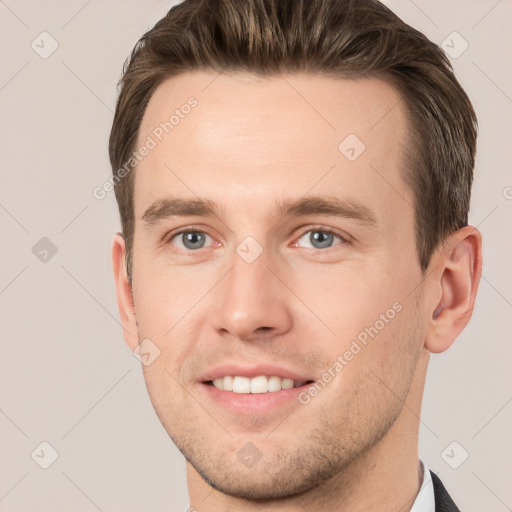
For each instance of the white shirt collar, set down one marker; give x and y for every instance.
(425, 500)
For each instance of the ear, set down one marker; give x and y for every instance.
(459, 261)
(124, 292)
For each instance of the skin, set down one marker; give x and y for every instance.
(250, 143)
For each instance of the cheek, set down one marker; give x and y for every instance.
(376, 368)
(344, 300)
(165, 394)
(161, 304)
(372, 319)
(164, 295)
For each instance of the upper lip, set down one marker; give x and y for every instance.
(253, 371)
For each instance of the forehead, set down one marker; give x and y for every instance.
(217, 133)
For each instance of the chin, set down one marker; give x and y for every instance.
(258, 485)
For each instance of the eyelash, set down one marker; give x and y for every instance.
(193, 229)
(322, 229)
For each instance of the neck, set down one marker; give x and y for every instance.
(386, 478)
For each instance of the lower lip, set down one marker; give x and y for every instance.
(250, 403)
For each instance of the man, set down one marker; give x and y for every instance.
(293, 179)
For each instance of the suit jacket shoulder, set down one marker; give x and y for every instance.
(443, 501)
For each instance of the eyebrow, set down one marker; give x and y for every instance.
(312, 205)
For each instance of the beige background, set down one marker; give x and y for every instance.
(66, 376)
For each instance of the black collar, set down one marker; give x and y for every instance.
(443, 501)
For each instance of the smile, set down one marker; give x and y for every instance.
(259, 384)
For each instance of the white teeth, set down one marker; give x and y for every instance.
(274, 384)
(241, 385)
(260, 384)
(219, 383)
(228, 383)
(287, 384)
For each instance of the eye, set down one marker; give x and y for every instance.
(190, 240)
(319, 238)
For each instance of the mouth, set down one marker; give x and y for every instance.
(255, 385)
(265, 390)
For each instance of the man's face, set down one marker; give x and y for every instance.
(255, 290)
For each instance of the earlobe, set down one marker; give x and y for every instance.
(124, 292)
(460, 262)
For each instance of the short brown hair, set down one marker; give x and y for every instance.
(335, 38)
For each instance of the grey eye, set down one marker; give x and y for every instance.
(190, 240)
(319, 239)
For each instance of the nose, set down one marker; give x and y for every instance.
(253, 302)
